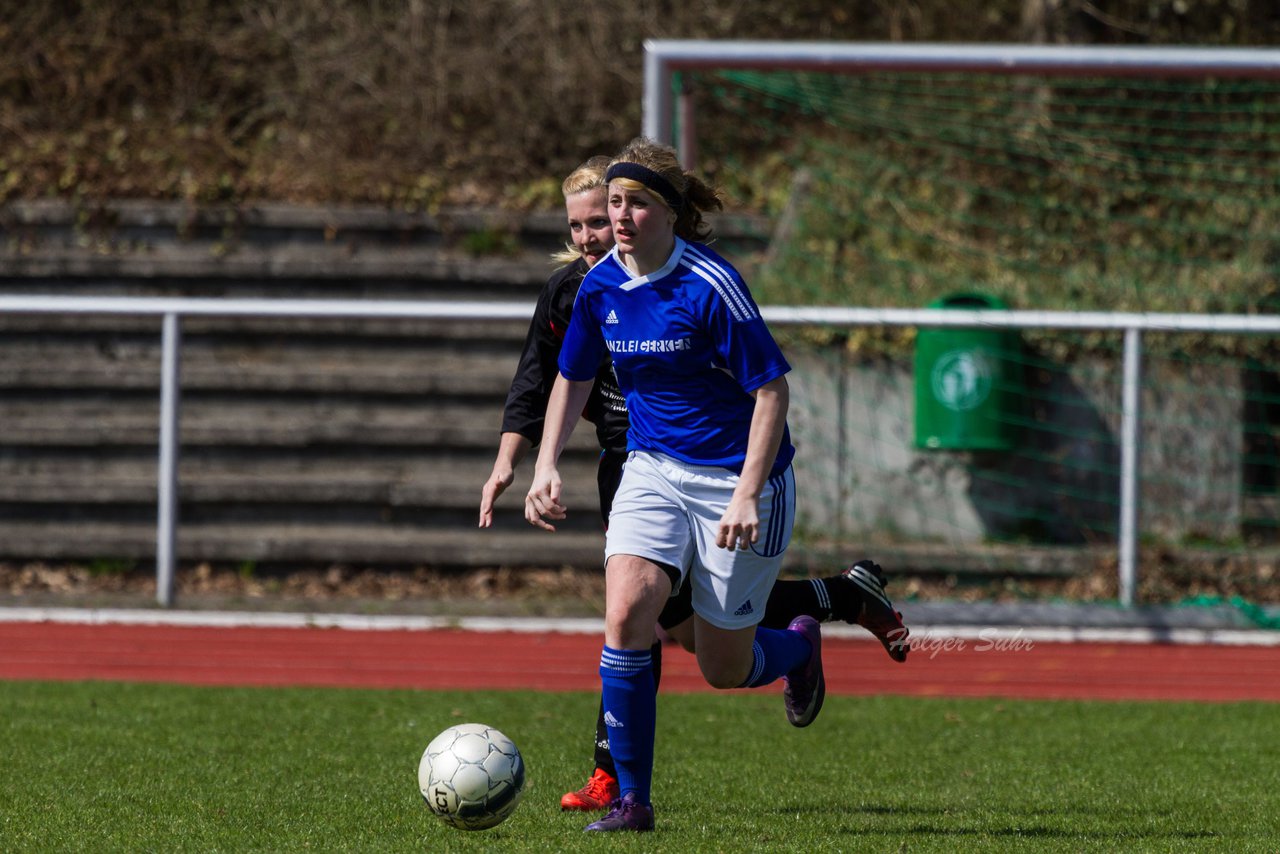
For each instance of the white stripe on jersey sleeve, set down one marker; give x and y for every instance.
(722, 281)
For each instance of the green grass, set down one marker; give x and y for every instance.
(124, 767)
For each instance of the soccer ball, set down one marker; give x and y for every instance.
(471, 776)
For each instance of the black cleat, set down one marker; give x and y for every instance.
(875, 612)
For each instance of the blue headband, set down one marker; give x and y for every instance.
(651, 181)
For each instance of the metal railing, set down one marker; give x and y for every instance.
(172, 310)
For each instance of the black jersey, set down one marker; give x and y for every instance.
(538, 367)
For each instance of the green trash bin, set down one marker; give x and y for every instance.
(969, 388)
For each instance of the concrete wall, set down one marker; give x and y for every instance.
(860, 476)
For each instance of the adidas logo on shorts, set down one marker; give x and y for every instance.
(744, 609)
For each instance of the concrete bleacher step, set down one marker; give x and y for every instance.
(418, 367)
(299, 272)
(300, 543)
(503, 333)
(113, 419)
(304, 439)
(413, 480)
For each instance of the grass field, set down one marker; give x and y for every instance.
(126, 767)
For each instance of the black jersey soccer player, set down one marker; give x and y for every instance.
(839, 597)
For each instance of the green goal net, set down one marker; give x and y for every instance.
(1064, 193)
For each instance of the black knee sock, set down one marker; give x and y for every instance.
(656, 652)
(604, 760)
(790, 599)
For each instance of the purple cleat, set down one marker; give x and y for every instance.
(625, 813)
(805, 686)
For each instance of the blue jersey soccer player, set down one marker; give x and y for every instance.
(854, 595)
(707, 491)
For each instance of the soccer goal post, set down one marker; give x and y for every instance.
(1091, 185)
(665, 59)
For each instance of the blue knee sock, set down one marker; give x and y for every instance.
(777, 652)
(630, 713)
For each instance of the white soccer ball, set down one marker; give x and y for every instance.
(472, 776)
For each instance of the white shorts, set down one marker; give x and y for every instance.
(669, 511)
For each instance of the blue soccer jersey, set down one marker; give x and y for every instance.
(688, 346)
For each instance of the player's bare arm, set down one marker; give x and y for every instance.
(512, 448)
(740, 525)
(543, 500)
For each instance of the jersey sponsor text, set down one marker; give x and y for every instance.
(667, 345)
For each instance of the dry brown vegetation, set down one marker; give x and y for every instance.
(1166, 579)
(416, 103)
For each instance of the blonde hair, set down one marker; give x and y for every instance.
(696, 194)
(588, 176)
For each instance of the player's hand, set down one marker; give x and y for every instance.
(543, 500)
(498, 481)
(740, 525)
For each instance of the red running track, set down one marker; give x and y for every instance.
(454, 659)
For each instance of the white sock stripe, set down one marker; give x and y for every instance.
(820, 590)
(625, 661)
(620, 671)
(757, 663)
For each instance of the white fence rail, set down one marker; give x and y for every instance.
(173, 310)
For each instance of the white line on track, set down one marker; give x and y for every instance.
(539, 625)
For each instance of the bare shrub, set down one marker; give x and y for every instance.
(411, 102)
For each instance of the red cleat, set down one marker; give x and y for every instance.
(600, 791)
